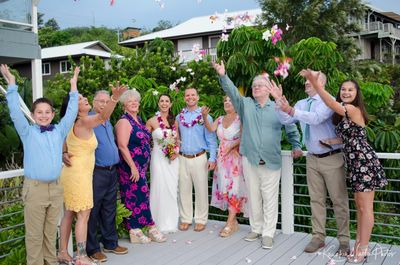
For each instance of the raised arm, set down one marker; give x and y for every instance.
(69, 118)
(210, 127)
(93, 121)
(229, 88)
(17, 116)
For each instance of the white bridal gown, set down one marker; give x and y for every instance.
(163, 187)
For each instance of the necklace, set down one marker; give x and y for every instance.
(197, 120)
(163, 127)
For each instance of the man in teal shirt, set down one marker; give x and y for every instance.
(260, 147)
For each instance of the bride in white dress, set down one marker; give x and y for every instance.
(164, 168)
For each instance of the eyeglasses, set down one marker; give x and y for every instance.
(255, 86)
(104, 102)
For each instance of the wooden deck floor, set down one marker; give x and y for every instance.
(207, 247)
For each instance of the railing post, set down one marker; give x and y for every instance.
(287, 201)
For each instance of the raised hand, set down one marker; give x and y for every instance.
(284, 104)
(274, 90)
(8, 76)
(117, 90)
(313, 77)
(219, 68)
(204, 111)
(74, 79)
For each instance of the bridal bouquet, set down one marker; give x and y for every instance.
(168, 143)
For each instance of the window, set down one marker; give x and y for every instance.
(212, 41)
(46, 70)
(65, 66)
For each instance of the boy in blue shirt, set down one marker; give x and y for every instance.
(42, 193)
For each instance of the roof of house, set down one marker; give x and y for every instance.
(392, 15)
(193, 27)
(83, 48)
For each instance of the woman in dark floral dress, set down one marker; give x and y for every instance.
(364, 169)
(133, 140)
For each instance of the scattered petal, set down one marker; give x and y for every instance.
(211, 232)
(224, 37)
(215, 226)
(331, 262)
(248, 260)
(189, 242)
(173, 240)
(293, 258)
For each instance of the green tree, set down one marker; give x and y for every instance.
(327, 20)
(52, 23)
(162, 24)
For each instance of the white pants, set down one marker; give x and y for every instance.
(193, 171)
(263, 190)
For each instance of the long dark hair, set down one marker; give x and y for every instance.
(170, 117)
(64, 106)
(357, 102)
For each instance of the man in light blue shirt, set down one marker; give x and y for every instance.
(193, 163)
(42, 193)
(325, 165)
(260, 147)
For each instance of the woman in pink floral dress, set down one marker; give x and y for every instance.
(228, 191)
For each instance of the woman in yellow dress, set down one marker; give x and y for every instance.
(81, 143)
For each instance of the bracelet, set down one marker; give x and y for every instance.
(291, 112)
(114, 100)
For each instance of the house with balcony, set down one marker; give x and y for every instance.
(204, 32)
(379, 38)
(19, 38)
(56, 59)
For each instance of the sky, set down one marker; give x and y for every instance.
(147, 13)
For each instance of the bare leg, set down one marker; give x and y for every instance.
(81, 234)
(65, 230)
(365, 221)
(231, 218)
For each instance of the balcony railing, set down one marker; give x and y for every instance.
(383, 29)
(294, 214)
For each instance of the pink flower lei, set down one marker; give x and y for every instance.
(163, 127)
(197, 120)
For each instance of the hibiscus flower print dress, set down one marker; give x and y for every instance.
(364, 170)
(135, 195)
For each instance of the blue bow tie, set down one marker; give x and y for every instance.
(47, 128)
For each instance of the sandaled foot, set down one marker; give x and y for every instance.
(85, 260)
(64, 258)
(137, 237)
(360, 255)
(184, 226)
(156, 236)
(228, 230)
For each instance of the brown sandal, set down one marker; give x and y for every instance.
(229, 230)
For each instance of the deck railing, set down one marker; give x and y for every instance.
(383, 29)
(293, 187)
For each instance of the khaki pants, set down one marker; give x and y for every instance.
(327, 175)
(43, 202)
(263, 190)
(193, 172)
